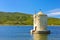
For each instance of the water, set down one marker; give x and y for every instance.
(23, 33)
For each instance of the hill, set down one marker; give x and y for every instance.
(17, 18)
(53, 21)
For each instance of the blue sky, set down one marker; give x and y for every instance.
(49, 7)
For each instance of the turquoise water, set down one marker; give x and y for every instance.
(23, 33)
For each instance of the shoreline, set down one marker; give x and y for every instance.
(13, 25)
(23, 25)
(53, 25)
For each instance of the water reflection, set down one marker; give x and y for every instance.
(40, 37)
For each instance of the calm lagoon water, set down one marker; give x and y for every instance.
(23, 33)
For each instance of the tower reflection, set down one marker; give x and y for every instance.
(40, 36)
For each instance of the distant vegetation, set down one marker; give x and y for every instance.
(16, 18)
(53, 21)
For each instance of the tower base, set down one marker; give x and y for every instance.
(40, 32)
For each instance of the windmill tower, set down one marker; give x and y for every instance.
(40, 23)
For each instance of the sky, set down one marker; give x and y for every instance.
(49, 7)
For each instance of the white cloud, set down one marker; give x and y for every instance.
(55, 10)
(54, 13)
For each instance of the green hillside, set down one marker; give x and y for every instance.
(16, 18)
(53, 21)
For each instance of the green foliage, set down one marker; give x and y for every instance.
(53, 21)
(16, 18)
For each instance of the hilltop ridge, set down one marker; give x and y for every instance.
(17, 18)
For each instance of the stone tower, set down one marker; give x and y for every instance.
(40, 23)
